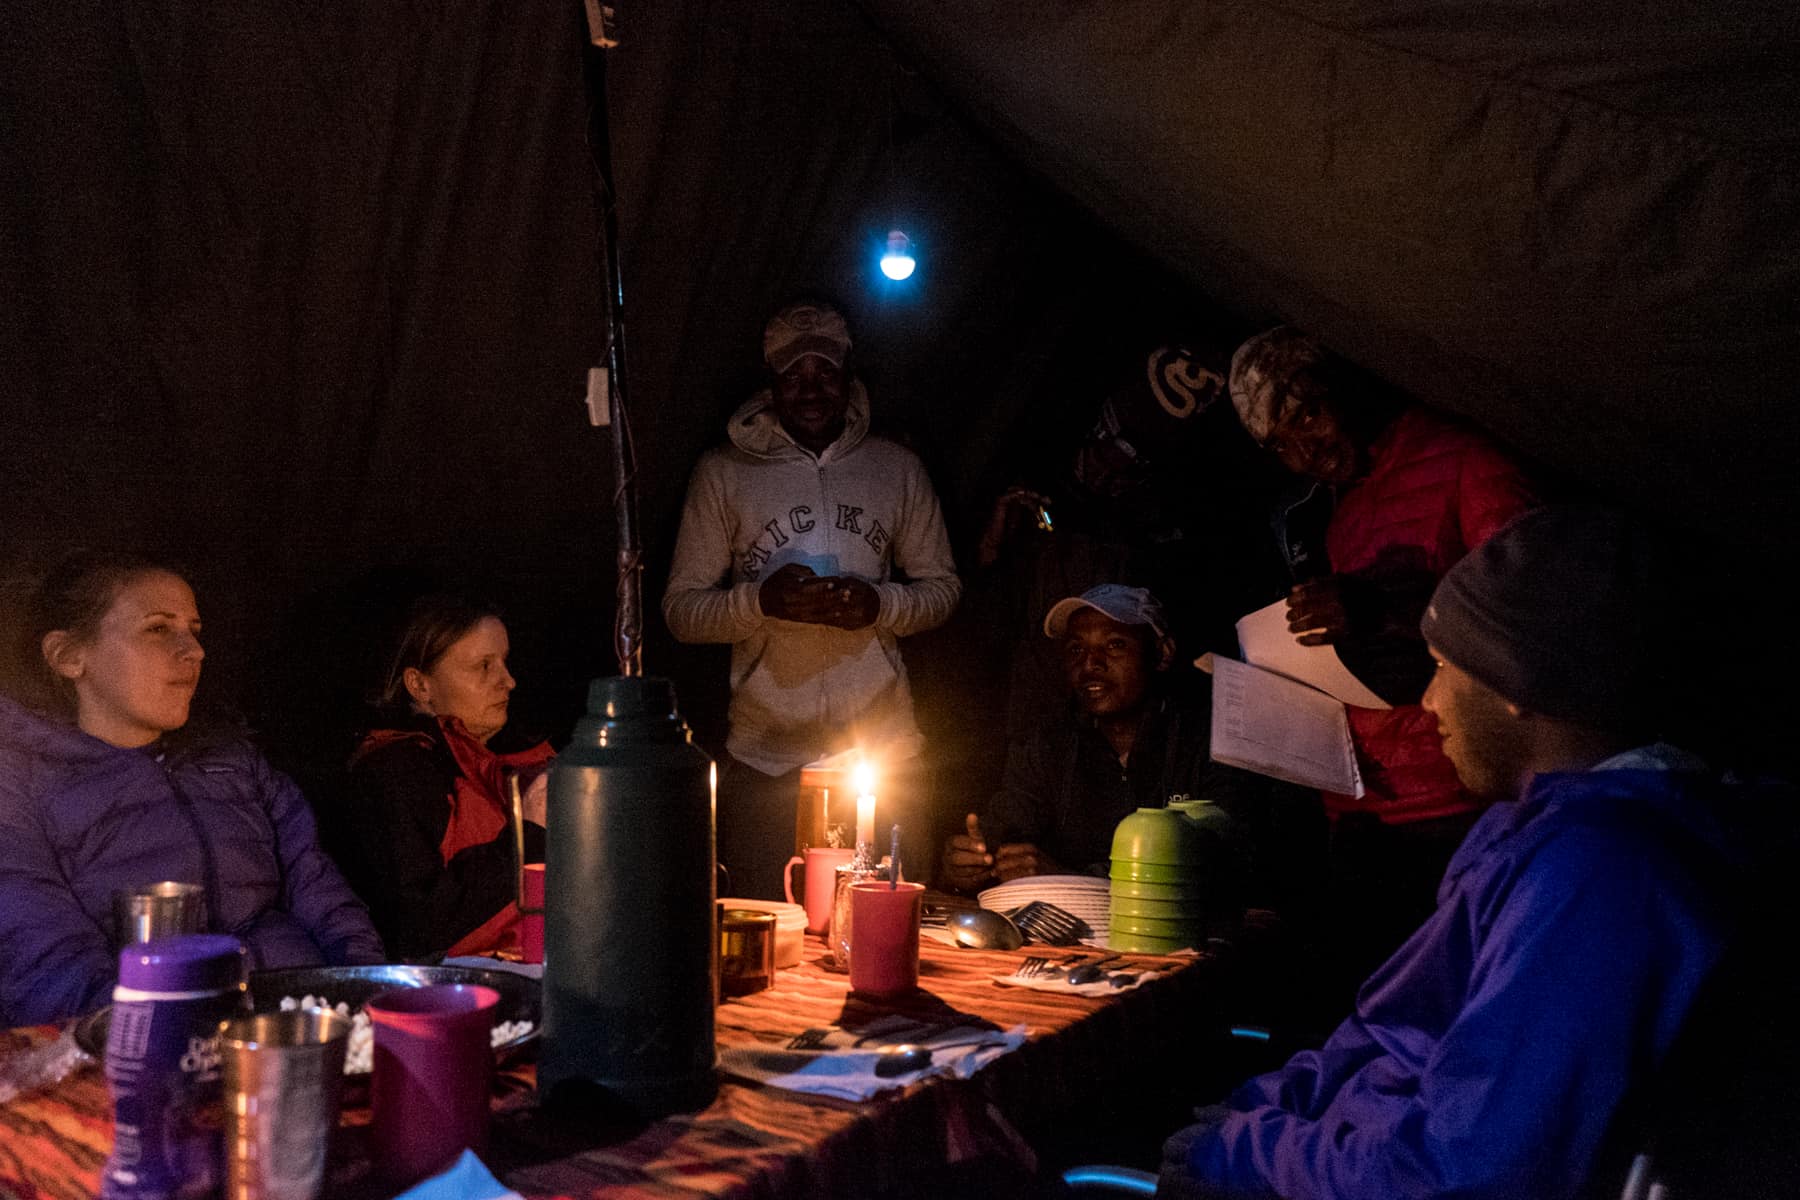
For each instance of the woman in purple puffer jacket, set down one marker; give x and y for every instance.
(99, 791)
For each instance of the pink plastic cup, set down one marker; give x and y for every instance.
(531, 924)
(434, 1061)
(884, 937)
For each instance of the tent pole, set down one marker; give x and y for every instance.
(628, 622)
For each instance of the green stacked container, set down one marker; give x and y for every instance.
(1158, 889)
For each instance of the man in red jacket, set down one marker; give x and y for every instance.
(1415, 492)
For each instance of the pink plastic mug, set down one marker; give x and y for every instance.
(434, 1061)
(884, 937)
(531, 924)
(821, 864)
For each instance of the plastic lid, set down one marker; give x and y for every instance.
(833, 770)
(787, 916)
(748, 918)
(193, 962)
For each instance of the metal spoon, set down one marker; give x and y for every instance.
(984, 929)
(902, 1060)
(1091, 971)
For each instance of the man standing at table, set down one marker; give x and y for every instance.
(1576, 923)
(789, 544)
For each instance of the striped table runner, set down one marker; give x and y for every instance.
(751, 1141)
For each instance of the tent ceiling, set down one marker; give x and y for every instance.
(1578, 225)
(306, 294)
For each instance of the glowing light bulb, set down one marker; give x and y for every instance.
(898, 263)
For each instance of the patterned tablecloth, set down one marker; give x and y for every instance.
(751, 1141)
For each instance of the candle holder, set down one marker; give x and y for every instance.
(837, 939)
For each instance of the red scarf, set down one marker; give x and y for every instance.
(480, 811)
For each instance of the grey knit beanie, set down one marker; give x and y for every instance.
(1567, 611)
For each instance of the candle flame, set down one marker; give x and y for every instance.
(864, 777)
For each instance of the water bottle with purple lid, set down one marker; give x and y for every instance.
(162, 1064)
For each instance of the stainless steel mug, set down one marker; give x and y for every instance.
(154, 910)
(284, 1077)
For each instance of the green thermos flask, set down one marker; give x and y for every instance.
(630, 947)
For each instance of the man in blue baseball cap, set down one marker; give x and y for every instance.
(1164, 489)
(1135, 734)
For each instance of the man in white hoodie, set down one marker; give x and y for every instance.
(789, 540)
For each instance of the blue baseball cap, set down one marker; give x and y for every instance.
(1126, 605)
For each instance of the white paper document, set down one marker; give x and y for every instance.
(1272, 725)
(1267, 643)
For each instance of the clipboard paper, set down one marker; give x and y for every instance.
(1275, 726)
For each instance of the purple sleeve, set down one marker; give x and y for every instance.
(1587, 970)
(315, 891)
(1304, 1083)
(57, 962)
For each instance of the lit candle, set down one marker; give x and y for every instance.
(865, 804)
(865, 819)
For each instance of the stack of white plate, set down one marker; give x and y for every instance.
(1082, 896)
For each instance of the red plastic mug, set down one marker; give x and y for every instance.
(434, 1062)
(884, 937)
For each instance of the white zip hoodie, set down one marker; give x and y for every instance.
(862, 508)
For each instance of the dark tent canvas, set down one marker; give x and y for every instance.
(1578, 225)
(305, 294)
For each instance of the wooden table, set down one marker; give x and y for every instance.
(752, 1141)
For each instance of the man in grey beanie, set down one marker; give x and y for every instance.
(1574, 927)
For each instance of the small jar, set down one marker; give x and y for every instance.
(746, 951)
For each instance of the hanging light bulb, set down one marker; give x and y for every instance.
(898, 262)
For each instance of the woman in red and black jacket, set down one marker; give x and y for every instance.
(431, 846)
(1415, 491)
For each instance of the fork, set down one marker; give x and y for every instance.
(809, 1039)
(1049, 924)
(1033, 967)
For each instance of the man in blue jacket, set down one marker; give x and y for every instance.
(1574, 926)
